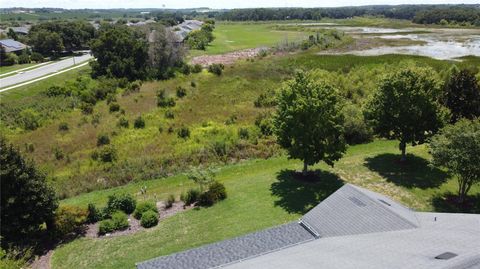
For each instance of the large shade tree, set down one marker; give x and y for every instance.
(27, 201)
(121, 52)
(457, 147)
(405, 106)
(309, 121)
(462, 94)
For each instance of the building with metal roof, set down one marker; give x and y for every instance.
(182, 30)
(11, 45)
(354, 228)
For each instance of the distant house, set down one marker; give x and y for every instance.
(182, 30)
(23, 30)
(11, 45)
(353, 228)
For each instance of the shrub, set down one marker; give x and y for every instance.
(123, 122)
(170, 201)
(120, 220)
(23, 58)
(185, 69)
(144, 207)
(265, 123)
(114, 107)
(216, 69)
(37, 57)
(181, 92)
(103, 139)
(106, 226)
(58, 153)
(139, 123)
(216, 192)
(193, 84)
(94, 214)
(356, 130)
(163, 100)
(63, 126)
(190, 197)
(243, 133)
(124, 202)
(266, 99)
(183, 132)
(107, 154)
(149, 219)
(86, 108)
(69, 219)
(169, 114)
(111, 98)
(56, 91)
(197, 68)
(30, 119)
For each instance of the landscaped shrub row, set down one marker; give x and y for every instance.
(215, 193)
(118, 222)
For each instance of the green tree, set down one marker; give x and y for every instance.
(405, 106)
(457, 147)
(462, 94)
(46, 43)
(120, 52)
(309, 121)
(202, 178)
(11, 34)
(27, 201)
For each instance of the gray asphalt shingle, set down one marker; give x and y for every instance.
(233, 250)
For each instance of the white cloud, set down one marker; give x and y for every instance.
(73, 4)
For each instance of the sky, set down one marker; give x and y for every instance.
(75, 4)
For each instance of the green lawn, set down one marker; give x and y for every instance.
(237, 36)
(261, 193)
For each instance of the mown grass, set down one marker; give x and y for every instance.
(261, 193)
(237, 36)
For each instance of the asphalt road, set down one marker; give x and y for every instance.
(43, 70)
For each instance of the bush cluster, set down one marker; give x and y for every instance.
(69, 220)
(197, 68)
(123, 122)
(216, 69)
(215, 193)
(149, 219)
(190, 197)
(123, 202)
(119, 221)
(183, 132)
(105, 154)
(103, 139)
(163, 100)
(139, 123)
(181, 92)
(114, 107)
(144, 207)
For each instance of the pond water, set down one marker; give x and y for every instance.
(440, 44)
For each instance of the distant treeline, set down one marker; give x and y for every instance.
(418, 13)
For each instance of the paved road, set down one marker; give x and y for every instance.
(42, 71)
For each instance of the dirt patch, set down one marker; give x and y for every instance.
(227, 58)
(42, 262)
(177, 207)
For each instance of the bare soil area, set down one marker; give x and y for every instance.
(227, 58)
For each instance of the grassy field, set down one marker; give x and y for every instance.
(154, 151)
(261, 193)
(237, 36)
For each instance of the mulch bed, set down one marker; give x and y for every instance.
(177, 207)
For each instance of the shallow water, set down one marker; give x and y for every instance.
(440, 44)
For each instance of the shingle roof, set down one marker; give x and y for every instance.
(11, 45)
(233, 250)
(354, 210)
(354, 228)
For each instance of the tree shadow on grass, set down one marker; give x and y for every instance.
(298, 194)
(414, 173)
(448, 202)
